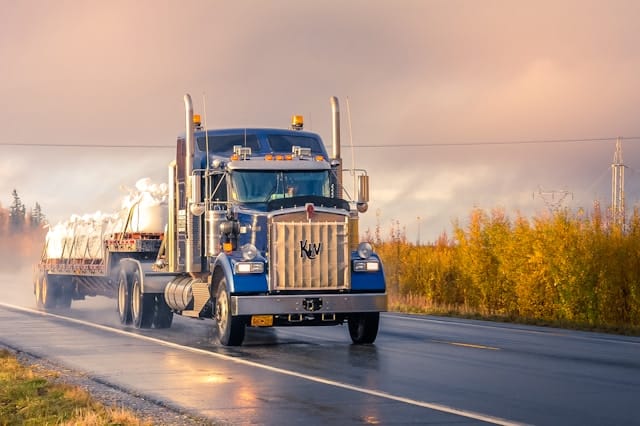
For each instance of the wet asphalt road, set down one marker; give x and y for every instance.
(422, 370)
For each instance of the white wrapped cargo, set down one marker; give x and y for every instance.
(82, 237)
(149, 203)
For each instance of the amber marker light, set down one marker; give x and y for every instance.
(297, 122)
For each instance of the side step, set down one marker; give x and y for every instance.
(200, 299)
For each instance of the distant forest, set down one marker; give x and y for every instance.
(22, 234)
(563, 268)
(568, 269)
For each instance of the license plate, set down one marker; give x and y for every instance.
(261, 320)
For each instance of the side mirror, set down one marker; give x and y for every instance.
(363, 193)
(196, 206)
(363, 189)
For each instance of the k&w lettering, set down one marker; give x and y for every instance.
(310, 250)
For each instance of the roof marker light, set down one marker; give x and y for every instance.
(241, 152)
(197, 122)
(297, 122)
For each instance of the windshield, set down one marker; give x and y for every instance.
(264, 186)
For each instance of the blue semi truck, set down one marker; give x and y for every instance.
(258, 234)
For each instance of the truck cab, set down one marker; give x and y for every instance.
(257, 219)
(258, 234)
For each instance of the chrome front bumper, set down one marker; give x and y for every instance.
(304, 304)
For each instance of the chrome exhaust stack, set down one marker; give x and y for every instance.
(193, 262)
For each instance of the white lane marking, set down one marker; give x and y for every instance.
(503, 326)
(430, 405)
(510, 327)
(468, 345)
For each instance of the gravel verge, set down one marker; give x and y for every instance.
(146, 409)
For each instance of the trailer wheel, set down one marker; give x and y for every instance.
(363, 327)
(230, 329)
(48, 289)
(124, 298)
(163, 316)
(37, 289)
(142, 309)
(64, 292)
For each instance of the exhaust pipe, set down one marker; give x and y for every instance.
(189, 129)
(171, 235)
(336, 159)
(192, 258)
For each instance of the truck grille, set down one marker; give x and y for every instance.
(309, 255)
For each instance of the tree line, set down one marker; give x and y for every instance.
(562, 268)
(15, 219)
(21, 233)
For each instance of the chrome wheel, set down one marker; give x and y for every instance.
(230, 328)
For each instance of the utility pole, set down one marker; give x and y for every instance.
(617, 187)
(553, 198)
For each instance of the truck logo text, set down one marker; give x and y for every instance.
(310, 250)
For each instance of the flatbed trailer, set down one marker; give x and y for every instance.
(59, 281)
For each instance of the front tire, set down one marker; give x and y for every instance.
(230, 329)
(141, 304)
(363, 327)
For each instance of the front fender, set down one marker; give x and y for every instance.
(238, 283)
(222, 264)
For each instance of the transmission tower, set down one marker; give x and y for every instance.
(553, 199)
(617, 186)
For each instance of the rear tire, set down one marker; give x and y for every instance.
(230, 329)
(48, 290)
(37, 290)
(363, 327)
(142, 304)
(124, 298)
(64, 292)
(162, 317)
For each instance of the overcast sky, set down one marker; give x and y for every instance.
(468, 73)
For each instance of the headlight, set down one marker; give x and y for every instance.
(249, 268)
(366, 266)
(249, 251)
(364, 250)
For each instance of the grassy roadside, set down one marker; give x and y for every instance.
(28, 397)
(418, 304)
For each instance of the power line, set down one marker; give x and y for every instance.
(483, 143)
(400, 145)
(86, 145)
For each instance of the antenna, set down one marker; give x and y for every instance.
(617, 186)
(353, 156)
(206, 133)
